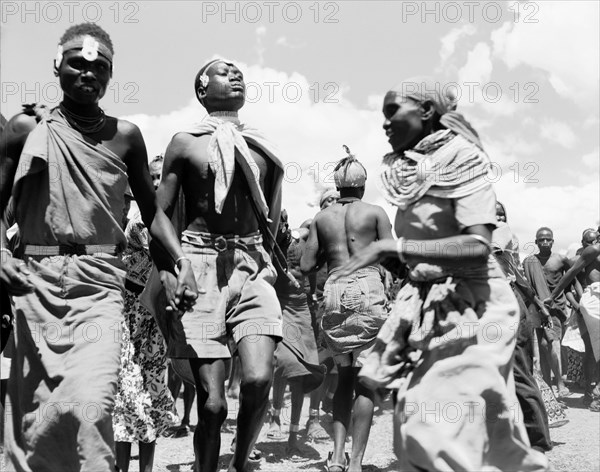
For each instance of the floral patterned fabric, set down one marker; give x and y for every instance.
(144, 407)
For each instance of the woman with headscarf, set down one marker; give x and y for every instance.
(448, 343)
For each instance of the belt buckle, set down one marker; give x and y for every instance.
(220, 244)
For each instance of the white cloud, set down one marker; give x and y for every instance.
(450, 40)
(261, 31)
(563, 42)
(285, 42)
(478, 67)
(558, 132)
(592, 160)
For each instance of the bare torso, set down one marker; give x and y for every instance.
(554, 267)
(197, 181)
(592, 271)
(345, 228)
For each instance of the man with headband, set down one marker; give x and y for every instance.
(230, 179)
(436, 347)
(354, 306)
(66, 275)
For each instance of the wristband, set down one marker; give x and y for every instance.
(182, 258)
(400, 243)
(3, 249)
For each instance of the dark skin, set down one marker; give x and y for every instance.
(588, 263)
(406, 122)
(84, 83)
(186, 166)
(363, 223)
(553, 264)
(338, 233)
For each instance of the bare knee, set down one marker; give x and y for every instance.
(257, 380)
(214, 410)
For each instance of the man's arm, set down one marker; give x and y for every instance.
(13, 273)
(155, 219)
(309, 260)
(535, 275)
(384, 226)
(588, 256)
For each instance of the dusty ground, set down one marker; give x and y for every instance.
(576, 446)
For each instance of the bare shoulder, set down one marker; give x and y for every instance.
(374, 209)
(127, 129)
(186, 145)
(19, 127)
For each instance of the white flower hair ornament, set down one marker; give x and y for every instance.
(204, 80)
(89, 49)
(59, 57)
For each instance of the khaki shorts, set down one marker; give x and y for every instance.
(238, 276)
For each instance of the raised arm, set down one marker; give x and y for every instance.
(156, 220)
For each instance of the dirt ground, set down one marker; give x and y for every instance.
(576, 445)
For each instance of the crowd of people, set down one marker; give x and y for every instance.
(204, 284)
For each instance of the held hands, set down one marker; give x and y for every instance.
(182, 291)
(14, 274)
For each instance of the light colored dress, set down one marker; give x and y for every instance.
(144, 407)
(448, 343)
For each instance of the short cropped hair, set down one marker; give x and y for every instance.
(91, 29)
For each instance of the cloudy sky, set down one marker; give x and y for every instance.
(527, 74)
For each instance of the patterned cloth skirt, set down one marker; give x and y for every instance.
(556, 412)
(144, 407)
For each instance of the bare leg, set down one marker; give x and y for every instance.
(174, 383)
(555, 359)
(279, 384)
(146, 456)
(297, 403)
(256, 356)
(188, 400)
(123, 450)
(209, 375)
(342, 411)
(362, 418)
(545, 355)
(233, 386)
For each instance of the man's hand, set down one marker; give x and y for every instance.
(14, 274)
(371, 255)
(181, 291)
(186, 291)
(543, 308)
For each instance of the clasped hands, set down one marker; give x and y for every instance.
(181, 290)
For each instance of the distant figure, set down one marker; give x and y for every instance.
(355, 305)
(589, 264)
(554, 266)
